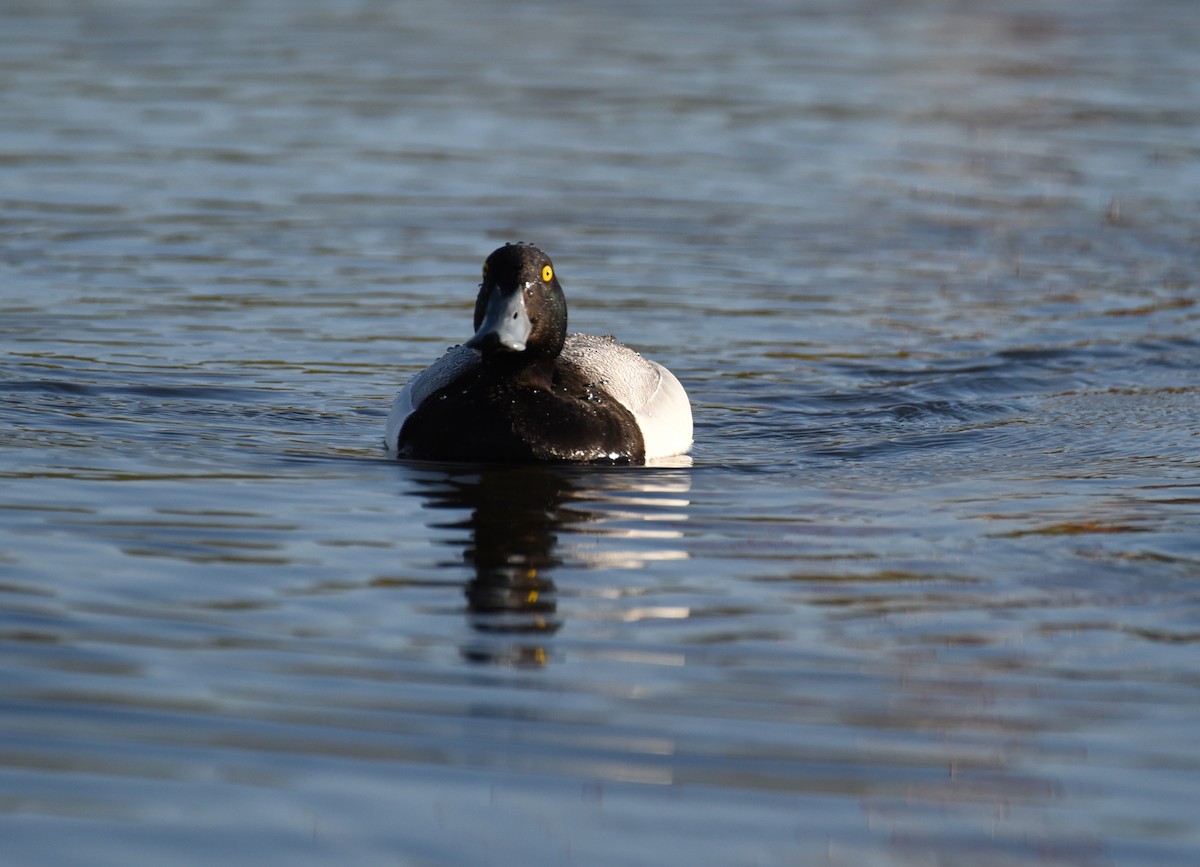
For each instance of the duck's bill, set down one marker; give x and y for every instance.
(505, 325)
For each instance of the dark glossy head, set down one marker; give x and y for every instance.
(521, 307)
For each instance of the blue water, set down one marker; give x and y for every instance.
(928, 594)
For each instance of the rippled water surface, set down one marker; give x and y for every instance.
(928, 595)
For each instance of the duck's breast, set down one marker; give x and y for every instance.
(457, 361)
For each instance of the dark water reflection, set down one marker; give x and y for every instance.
(514, 522)
(928, 595)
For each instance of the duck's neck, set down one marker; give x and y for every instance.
(524, 367)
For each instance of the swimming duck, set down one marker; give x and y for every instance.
(523, 390)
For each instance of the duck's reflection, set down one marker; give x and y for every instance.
(516, 515)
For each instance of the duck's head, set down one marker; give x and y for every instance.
(521, 307)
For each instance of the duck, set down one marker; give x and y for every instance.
(524, 390)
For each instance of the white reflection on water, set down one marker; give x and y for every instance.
(522, 523)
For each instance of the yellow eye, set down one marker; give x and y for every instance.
(547, 273)
(485, 270)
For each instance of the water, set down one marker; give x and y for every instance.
(930, 593)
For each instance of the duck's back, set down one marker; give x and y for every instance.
(606, 402)
(648, 390)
